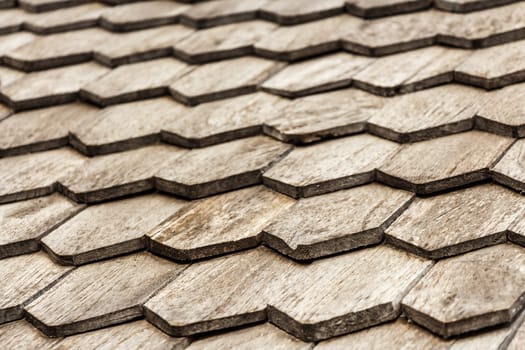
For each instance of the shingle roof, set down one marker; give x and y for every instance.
(273, 174)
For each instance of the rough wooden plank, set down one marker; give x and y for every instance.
(320, 226)
(257, 337)
(25, 277)
(329, 166)
(52, 51)
(209, 14)
(100, 294)
(77, 17)
(427, 114)
(125, 126)
(141, 15)
(119, 174)
(228, 41)
(316, 75)
(109, 229)
(120, 85)
(295, 12)
(42, 129)
(221, 121)
(494, 67)
(140, 45)
(462, 221)
(218, 225)
(309, 39)
(50, 87)
(510, 170)
(503, 113)
(34, 175)
(326, 115)
(225, 167)
(326, 298)
(23, 223)
(443, 163)
(223, 79)
(469, 292)
(379, 8)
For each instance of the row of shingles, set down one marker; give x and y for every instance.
(426, 114)
(259, 38)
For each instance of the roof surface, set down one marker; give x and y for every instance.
(227, 174)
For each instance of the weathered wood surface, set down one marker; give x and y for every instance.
(510, 169)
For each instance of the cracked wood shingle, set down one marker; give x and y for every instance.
(42, 129)
(109, 229)
(101, 294)
(206, 171)
(444, 163)
(287, 293)
(316, 75)
(50, 87)
(218, 225)
(25, 277)
(462, 221)
(118, 87)
(427, 114)
(322, 116)
(510, 169)
(469, 292)
(329, 166)
(336, 222)
(23, 223)
(223, 79)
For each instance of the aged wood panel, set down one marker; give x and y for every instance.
(460, 221)
(218, 225)
(215, 169)
(23, 223)
(443, 163)
(469, 292)
(336, 222)
(329, 166)
(109, 229)
(100, 294)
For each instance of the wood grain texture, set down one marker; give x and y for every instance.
(100, 294)
(116, 175)
(52, 51)
(329, 166)
(140, 15)
(469, 292)
(227, 41)
(292, 291)
(23, 223)
(139, 45)
(34, 175)
(461, 221)
(264, 336)
(11, 42)
(286, 12)
(120, 85)
(25, 277)
(503, 113)
(427, 114)
(109, 229)
(50, 87)
(43, 128)
(215, 169)
(494, 67)
(510, 170)
(21, 335)
(218, 225)
(223, 79)
(208, 14)
(125, 126)
(323, 116)
(443, 163)
(224, 120)
(320, 226)
(316, 75)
